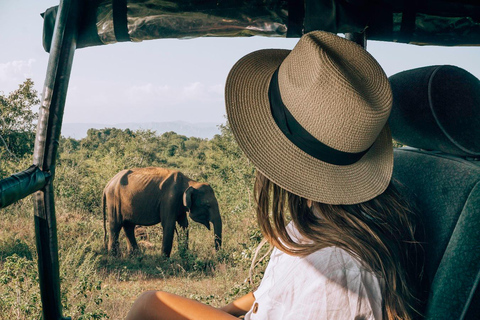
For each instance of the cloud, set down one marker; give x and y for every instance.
(218, 89)
(193, 102)
(194, 91)
(16, 71)
(173, 95)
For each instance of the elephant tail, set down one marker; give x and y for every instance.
(104, 203)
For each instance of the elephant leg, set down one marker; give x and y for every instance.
(132, 245)
(113, 244)
(167, 241)
(183, 235)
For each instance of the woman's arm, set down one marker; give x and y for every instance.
(158, 305)
(240, 306)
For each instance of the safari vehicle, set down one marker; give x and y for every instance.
(440, 167)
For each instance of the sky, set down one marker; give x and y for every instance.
(167, 79)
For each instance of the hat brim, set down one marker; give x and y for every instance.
(276, 157)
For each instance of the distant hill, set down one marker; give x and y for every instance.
(200, 130)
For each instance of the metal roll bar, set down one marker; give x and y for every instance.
(358, 37)
(38, 179)
(45, 153)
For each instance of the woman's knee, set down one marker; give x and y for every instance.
(143, 306)
(150, 296)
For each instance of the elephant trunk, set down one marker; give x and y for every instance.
(217, 229)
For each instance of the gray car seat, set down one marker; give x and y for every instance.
(436, 111)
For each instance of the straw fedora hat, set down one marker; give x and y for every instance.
(313, 119)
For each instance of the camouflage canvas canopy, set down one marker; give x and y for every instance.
(432, 22)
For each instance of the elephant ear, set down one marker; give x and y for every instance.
(187, 197)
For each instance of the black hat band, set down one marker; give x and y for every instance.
(301, 137)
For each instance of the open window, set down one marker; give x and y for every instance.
(76, 24)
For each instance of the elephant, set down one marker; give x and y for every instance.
(147, 196)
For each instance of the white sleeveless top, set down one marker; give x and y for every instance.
(328, 284)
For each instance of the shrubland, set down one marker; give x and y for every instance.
(95, 285)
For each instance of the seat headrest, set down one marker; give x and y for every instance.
(437, 108)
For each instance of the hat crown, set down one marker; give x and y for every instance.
(336, 91)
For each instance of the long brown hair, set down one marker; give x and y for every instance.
(379, 233)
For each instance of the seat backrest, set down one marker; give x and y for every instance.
(443, 179)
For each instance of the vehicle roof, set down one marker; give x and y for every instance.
(432, 22)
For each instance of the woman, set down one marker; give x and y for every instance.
(313, 122)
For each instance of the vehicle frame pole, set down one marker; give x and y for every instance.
(46, 144)
(358, 37)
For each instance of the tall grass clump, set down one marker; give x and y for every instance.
(82, 291)
(20, 295)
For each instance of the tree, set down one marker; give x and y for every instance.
(18, 121)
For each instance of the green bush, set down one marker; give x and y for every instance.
(20, 294)
(82, 291)
(11, 246)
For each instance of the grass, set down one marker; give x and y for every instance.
(97, 286)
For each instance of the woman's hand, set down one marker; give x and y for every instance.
(240, 306)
